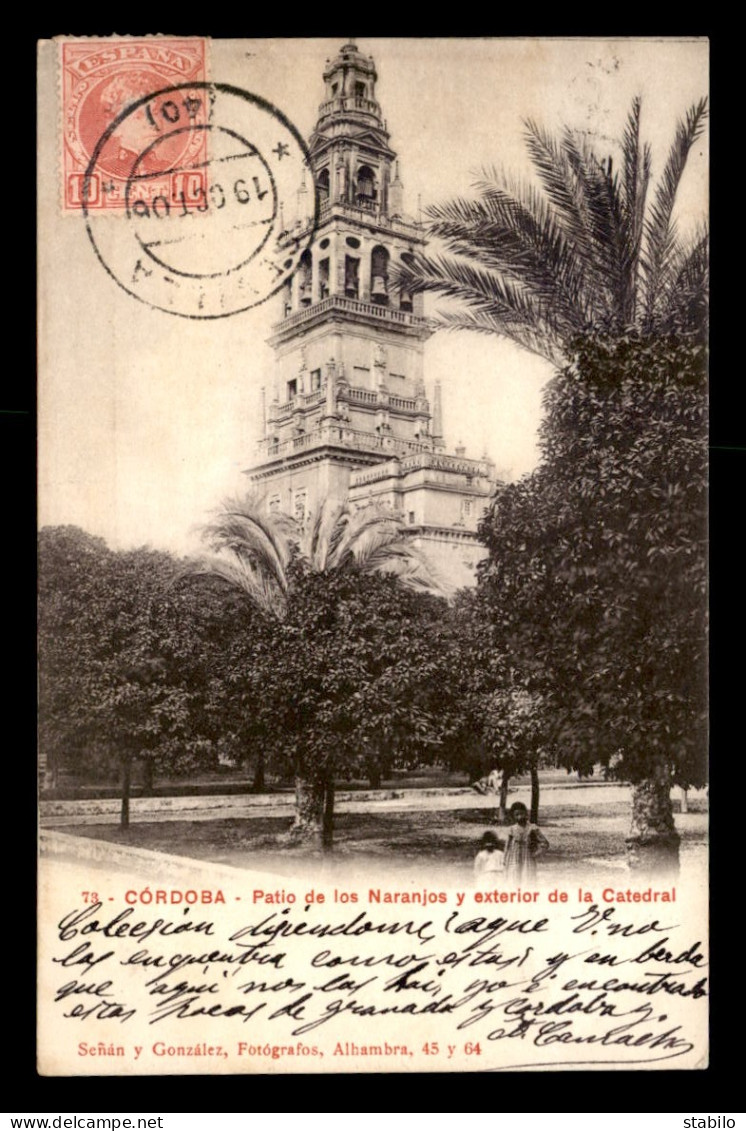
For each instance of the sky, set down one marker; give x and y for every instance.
(147, 421)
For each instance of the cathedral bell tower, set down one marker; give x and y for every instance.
(348, 415)
(348, 389)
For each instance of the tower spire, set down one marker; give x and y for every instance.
(396, 193)
(437, 425)
(349, 98)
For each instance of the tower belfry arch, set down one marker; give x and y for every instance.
(349, 417)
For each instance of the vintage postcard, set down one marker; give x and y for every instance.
(372, 464)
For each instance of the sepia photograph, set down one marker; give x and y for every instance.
(372, 582)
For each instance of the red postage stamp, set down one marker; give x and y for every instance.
(126, 106)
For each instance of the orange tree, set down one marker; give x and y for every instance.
(350, 686)
(133, 664)
(492, 716)
(596, 576)
(343, 664)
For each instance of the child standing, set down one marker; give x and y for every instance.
(523, 845)
(489, 859)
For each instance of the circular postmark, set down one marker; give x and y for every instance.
(216, 213)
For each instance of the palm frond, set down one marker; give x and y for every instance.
(573, 295)
(684, 286)
(244, 529)
(660, 233)
(411, 569)
(535, 342)
(636, 161)
(316, 535)
(326, 529)
(560, 185)
(477, 286)
(375, 543)
(352, 542)
(604, 249)
(253, 548)
(338, 535)
(511, 230)
(374, 540)
(583, 250)
(384, 546)
(240, 573)
(511, 307)
(579, 194)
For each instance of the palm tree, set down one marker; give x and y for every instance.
(588, 250)
(263, 554)
(591, 253)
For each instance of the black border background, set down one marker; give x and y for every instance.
(699, 1092)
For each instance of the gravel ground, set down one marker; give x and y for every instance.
(433, 836)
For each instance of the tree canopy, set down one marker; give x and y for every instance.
(597, 567)
(132, 662)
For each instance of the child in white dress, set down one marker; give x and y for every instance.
(523, 845)
(489, 859)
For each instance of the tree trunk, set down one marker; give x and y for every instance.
(374, 775)
(259, 783)
(310, 809)
(148, 774)
(327, 837)
(126, 784)
(653, 843)
(50, 775)
(502, 813)
(50, 779)
(534, 813)
(684, 800)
